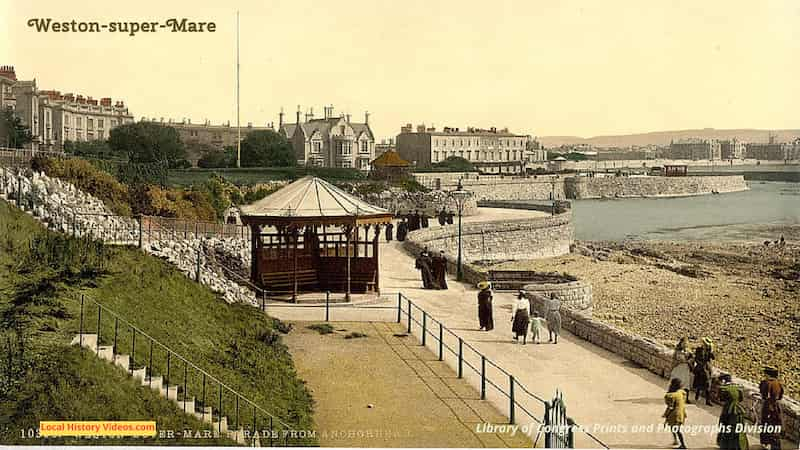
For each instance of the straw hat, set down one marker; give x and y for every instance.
(771, 371)
(484, 285)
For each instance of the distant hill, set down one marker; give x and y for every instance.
(664, 137)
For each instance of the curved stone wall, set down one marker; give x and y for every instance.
(399, 202)
(532, 238)
(623, 187)
(574, 295)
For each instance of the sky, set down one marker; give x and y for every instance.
(540, 67)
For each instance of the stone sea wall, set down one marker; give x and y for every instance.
(624, 187)
(655, 357)
(540, 237)
(574, 295)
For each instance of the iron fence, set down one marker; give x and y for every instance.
(227, 411)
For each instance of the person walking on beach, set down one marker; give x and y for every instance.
(553, 318)
(771, 393)
(732, 416)
(675, 414)
(485, 306)
(521, 318)
(702, 370)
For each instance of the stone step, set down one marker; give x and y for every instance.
(237, 436)
(88, 340)
(220, 426)
(139, 374)
(157, 384)
(172, 392)
(187, 406)
(122, 361)
(204, 413)
(106, 352)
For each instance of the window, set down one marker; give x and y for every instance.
(341, 130)
(345, 148)
(365, 146)
(469, 155)
(363, 164)
(79, 122)
(316, 147)
(435, 156)
(345, 164)
(90, 124)
(100, 123)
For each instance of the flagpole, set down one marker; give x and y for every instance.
(238, 125)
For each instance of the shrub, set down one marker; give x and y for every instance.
(87, 178)
(321, 328)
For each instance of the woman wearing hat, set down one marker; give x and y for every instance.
(702, 370)
(771, 393)
(521, 318)
(485, 306)
(733, 416)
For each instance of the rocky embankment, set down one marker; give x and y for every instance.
(63, 208)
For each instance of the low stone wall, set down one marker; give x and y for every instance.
(574, 295)
(657, 358)
(562, 206)
(400, 202)
(623, 187)
(534, 238)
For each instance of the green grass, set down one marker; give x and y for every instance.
(234, 343)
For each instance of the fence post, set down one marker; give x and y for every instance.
(197, 274)
(483, 377)
(97, 345)
(139, 217)
(150, 365)
(166, 382)
(511, 399)
(114, 352)
(399, 305)
(548, 434)
(424, 326)
(460, 358)
(133, 350)
(219, 411)
(19, 190)
(80, 330)
(409, 316)
(263, 300)
(185, 369)
(441, 342)
(327, 305)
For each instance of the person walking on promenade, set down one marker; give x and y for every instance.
(680, 363)
(402, 230)
(675, 414)
(422, 263)
(553, 318)
(485, 306)
(732, 416)
(771, 393)
(440, 270)
(442, 216)
(702, 370)
(537, 326)
(389, 230)
(521, 318)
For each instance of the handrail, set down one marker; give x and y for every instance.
(179, 356)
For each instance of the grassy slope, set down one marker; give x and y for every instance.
(232, 342)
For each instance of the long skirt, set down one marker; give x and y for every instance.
(485, 316)
(683, 373)
(770, 415)
(521, 321)
(732, 440)
(554, 322)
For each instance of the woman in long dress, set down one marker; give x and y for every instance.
(553, 318)
(521, 318)
(733, 416)
(485, 306)
(680, 363)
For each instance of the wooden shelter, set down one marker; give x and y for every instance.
(312, 236)
(389, 166)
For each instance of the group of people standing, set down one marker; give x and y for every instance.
(694, 369)
(524, 315)
(433, 269)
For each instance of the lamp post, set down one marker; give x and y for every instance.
(460, 197)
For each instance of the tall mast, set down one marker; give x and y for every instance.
(238, 125)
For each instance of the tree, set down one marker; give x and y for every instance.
(13, 133)
(266, 148)
(218, 159)
(455, 164)
(146, 142)
(92, 149)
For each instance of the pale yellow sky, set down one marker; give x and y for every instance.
(536, 66)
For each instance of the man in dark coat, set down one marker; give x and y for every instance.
(440, 270)
(423, 264)
(485, 306)
(424, 220)
(389, 229)
(442, 216)
(402, 230)
(450, 218)
(702, 370)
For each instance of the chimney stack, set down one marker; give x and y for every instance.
(280, 118)
(297, 119)
(347, 117)
(366, 117)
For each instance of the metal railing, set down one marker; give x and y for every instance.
(184, 382)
